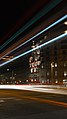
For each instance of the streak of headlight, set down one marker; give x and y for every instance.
(40, 46)
(25, 87)
(41, 13)
(55, 23)
(39, 88)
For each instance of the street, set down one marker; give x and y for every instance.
(21, 104)
(33, 59)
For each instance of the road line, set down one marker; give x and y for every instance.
(63, 104)
(46, 101)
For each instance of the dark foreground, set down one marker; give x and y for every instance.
(16, 104)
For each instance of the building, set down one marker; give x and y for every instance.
(36, 65)
(48, 65)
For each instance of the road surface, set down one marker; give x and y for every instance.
(20, 104)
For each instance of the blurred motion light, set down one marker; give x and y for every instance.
(40, 46)
(47, 28)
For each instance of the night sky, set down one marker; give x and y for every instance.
(15, 13)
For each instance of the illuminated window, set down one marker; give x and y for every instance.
(20, 81)
(36, 59)
(55, 64)
(35, 70)
(41, 41)
(56, 81)
(42, 66)
(7, 69)
(30, 59)
(65, 22)
(65, 31)
(26, 80)
(65, 73)
(38, 51)
(64, 81)
(35, 80)
(31, 70)
(31, 80)
(52, 64)
(38, 63)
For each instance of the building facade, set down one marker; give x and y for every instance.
(49, 65)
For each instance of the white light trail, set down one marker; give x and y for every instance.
(37, 88)
(40, 46)
(50, 26)
(55, 23)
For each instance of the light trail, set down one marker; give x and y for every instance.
(44, 30)
(40, 46)
(55, 23)
(42, 12)
(37, 88)
(46, 101)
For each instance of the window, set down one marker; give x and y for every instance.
(31, 70)
(34, 69)
(55, 64)
(65, 73)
